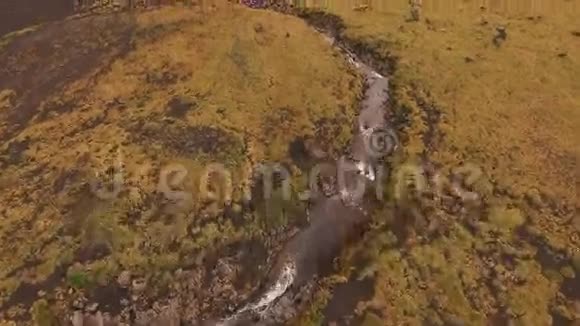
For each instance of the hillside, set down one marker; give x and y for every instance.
(500, 118)
(132, 101)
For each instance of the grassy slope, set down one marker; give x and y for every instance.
(513, 113)
(258, 79)
(514, 108)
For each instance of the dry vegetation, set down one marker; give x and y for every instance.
(509, 110)
(88, 96)
(238, 86)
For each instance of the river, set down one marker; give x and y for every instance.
(337, 219)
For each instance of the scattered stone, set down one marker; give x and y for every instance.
(124, 279)
(168, 120)
(575, 33)
(562, 54)
(92, 308)
(79, 304)
(469, 59)
(223, 269)
(500, 36)
(138, 285)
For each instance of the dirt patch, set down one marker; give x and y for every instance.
(27, 293)
(187, 140)
(41, 64)
(14, 152)
(17, 14)
(92, 252)
(178, 107)
(109, 297)
(65, 178)
(78, 212)
(299, 153)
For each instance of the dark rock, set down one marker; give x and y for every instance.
(79, 304)
(179, 106)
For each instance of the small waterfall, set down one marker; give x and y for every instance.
(264, 302)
